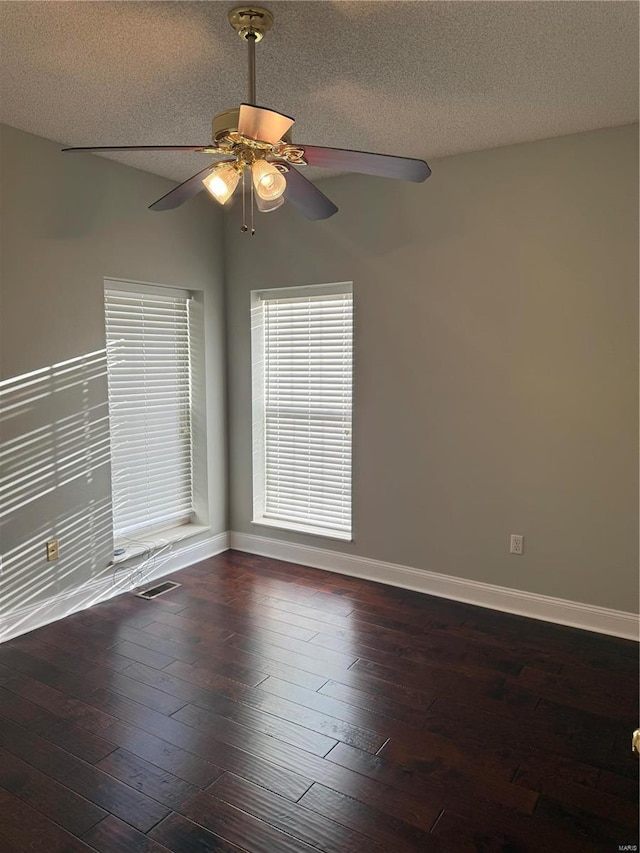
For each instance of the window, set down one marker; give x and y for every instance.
(302, 351)
(149, 374)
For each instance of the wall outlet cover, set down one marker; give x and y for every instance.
(517, 544)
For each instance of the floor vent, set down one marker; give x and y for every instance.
(155, 591)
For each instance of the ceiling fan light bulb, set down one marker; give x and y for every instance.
(268, 182)
(222, 182)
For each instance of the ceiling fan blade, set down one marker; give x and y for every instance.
(208, 148)
(307, 197)
(384, 165)
(186, 190)
(262, 124)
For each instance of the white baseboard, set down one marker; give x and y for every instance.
(112, 581)
(602, 620)
(119, 579)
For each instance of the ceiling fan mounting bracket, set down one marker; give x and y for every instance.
(251, 22)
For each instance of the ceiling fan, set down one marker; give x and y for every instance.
(257, 140)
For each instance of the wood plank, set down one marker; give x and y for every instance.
(241, 828)
(595, 802)
(535, 768)
(522, 736)
(340, 658)
(140, 637)
(26, 829)
(245, 668)
(483, 687)
(540, 657)
(141, 654)
(20, 710)
(229, 696)
(316, 829)
(72, 695)
(505, 830)
(112, 835)
(50, 644)
(593, 695)
(389, 831)
(432, 648)
(420, 812)
(585, 825)
(166, 756)
(42, 793)
(312, 608)
(257, 768)
(620, 786)
(193, 641)
(227, 619)
(410, 744)
(80, 713)
(78, 742)
(151, 780)
(84, 779)
(404, 703)
(185, 836)
(446, 787)
(324, 662)
(486, 690)
(272, 727)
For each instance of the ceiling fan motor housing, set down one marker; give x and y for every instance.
(226, 122)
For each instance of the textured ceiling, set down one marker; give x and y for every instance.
(423, 79)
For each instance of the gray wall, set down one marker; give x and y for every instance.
(496, 361)
(66, 222)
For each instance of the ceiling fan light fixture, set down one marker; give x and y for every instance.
(265, 206)
(222, 182)
(268, 182)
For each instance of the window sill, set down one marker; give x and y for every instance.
(301, 528)
(157, 541)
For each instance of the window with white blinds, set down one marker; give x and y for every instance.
(302, 353)
(149, 374)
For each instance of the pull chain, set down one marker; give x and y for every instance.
(244, 215)
(253, 230)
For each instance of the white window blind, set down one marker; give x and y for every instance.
(148, 365)
(303, 351)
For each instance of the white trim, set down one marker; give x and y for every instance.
(283, 493)
(113, 581)
(134, 546)
(325, 532)
(283, 293)
(588, 617)
(136, 287)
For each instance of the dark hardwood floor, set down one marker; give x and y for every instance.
(272, 708)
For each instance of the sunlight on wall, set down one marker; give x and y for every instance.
(55, 482)
(54, 479)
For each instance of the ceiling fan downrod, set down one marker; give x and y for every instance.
(251, 23)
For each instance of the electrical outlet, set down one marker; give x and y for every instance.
(52, 550)
(517, 544)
